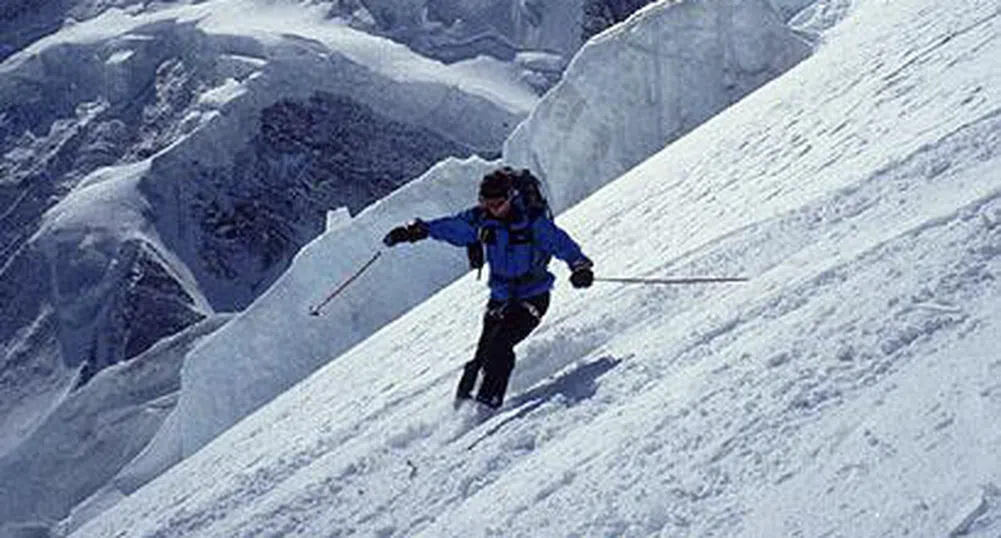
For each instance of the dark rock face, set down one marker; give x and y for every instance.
(23, 21)
(307, 157)
(146, 303)
(350, 151)
(602, 14)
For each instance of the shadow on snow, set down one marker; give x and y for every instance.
(575, 386)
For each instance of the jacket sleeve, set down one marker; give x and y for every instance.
(459, 229)
(557, 242)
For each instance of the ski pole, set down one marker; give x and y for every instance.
(687, 280)
(315, 311)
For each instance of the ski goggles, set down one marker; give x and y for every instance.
(494, 203)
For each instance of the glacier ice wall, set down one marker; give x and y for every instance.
(631, 91)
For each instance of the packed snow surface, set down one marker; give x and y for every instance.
(848, 389)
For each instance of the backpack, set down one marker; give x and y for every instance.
(529, 188)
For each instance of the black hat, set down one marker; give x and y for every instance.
(496, 184)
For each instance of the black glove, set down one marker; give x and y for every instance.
(396, 235)
(415, 231)
(582, 276)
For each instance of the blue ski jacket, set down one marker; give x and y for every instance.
(518, 248)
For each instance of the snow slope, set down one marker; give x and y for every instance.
(75, 447)
(848, 389)
(575, 158)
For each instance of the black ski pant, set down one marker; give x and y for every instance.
(504, 325)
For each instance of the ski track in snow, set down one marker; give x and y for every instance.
(690, 411)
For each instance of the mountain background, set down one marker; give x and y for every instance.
(846, 389)
(169, 170)
(240, 138)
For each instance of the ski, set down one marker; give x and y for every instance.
(504, 418)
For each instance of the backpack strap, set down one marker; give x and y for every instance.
(521, 236)
(474, 250)
(539, 261)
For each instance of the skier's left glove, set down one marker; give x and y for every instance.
(582, 275)
(412, 232)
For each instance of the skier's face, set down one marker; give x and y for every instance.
(497, 207)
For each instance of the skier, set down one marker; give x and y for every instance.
(513, 224)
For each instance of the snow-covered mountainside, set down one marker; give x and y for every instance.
(23, 22)
(611, 132)
(75, 445)
(166, 161)
(224, 142)
(540, 36)
(848, 389)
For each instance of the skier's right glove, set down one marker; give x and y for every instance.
(412, 232)
(582, 275)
